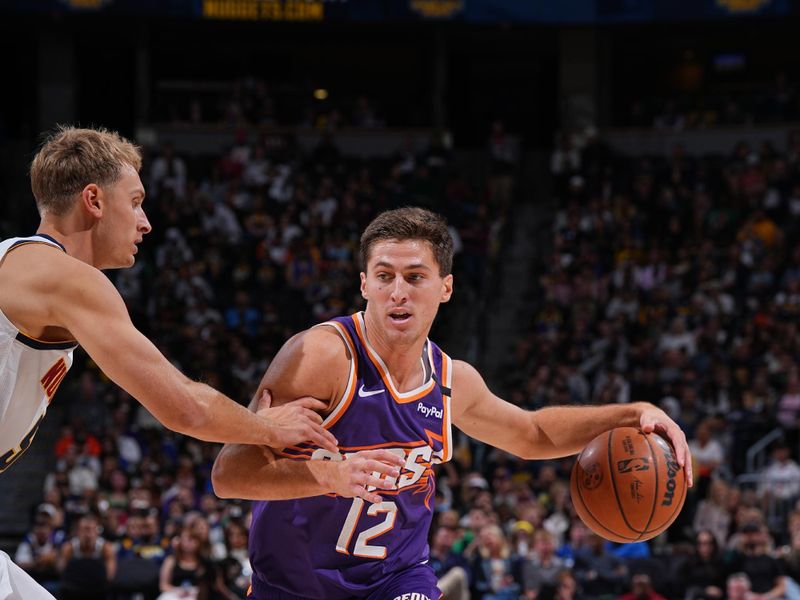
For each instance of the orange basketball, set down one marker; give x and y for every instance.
(627, 486)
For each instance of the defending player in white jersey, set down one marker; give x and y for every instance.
(54, 297)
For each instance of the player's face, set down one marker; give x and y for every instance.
(124, 222)
(403, 289)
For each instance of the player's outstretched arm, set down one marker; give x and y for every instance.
(553, 431)
(85, 302)
(315, 363)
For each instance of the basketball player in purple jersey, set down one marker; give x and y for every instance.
(355, 524)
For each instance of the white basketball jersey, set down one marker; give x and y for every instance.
(30, 373)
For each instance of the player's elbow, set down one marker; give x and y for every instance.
(221, 477)
(189, 416)
(533, 443)
(527, 450)
(186, 421)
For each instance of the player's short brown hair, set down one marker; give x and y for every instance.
(71, 158)
(411, 223)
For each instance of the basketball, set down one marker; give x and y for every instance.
(627, 486)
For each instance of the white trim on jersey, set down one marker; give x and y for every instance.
(427, 385)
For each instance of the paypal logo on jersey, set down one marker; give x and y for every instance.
(430, 411)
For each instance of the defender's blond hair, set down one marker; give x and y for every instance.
(72, 158)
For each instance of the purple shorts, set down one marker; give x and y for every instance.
(415, 583)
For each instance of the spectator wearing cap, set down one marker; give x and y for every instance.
(521, 537)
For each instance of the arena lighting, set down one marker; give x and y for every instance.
(320, 93)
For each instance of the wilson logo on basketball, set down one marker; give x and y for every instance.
(672, 470)
(592, 477)
(633, 464)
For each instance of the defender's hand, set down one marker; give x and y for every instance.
(654, 419)
(351, 477)
(296, 422)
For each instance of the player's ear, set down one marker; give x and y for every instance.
(364, 285)
(447, 288)
(91, 201)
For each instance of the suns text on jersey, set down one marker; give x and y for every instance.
(415, 472)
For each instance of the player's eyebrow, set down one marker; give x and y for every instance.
(413, 267)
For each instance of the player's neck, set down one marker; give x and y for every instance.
(402, 359)
(76, 239)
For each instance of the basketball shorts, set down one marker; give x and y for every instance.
(415, 583)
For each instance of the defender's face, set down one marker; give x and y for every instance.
(403, 288)
(124, 222)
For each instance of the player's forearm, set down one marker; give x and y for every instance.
(565, 430)
(211, 416)
(256, 473)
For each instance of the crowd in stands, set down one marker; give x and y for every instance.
(775, 103)
(251, 101)
(674, 280)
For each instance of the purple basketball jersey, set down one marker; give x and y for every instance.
(335, 548)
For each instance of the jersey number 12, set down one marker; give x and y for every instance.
(362, 548)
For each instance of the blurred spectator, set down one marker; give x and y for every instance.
(450, 568)
(540, 570)
(598, 572)
(503, 156)
(187, 574)
(87, 563)
(492, 567)
(782, 476)
(713, 512)
(167, 172)
(707, 452)
(38, 552)
(738, 587)
(234, 570)
(702, 576)
(641, 589)
(764, 572)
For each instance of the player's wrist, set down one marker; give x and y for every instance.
(269, 433)
(326, 472)
(638, 410)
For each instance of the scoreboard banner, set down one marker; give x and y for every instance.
(550, 12)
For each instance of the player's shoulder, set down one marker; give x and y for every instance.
(467, 381)
(48, 265)
(465, 371)
(35, 258)
(321, 346)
